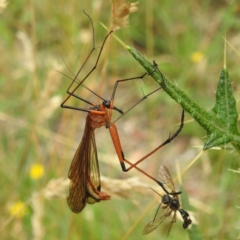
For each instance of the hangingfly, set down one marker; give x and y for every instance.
(85, 186)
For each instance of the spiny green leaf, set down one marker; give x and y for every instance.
(216, 139)
(225, 110)
(220, 123)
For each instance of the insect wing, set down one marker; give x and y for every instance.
(166, 178)
(171, 223)
(156, 222)
(94, 173)
(78, 176)
(79, 172)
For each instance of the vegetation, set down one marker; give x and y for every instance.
(43, 42)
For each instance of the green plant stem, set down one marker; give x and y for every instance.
(207, 120)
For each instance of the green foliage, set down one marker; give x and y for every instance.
(225, 110)
(221, 123)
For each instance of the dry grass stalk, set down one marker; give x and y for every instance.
(123, 188)
(37, 207)
(120, 13)
(48, 103)
(58, 187)
(54, 188)
(3, 5)
(52, 83)
(27, 55)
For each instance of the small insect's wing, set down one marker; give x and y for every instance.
(166, 178)
(171, 223)
(151, 226)
(94, 173)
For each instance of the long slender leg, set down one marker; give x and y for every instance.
(133, 106)
(119, 151)
(76, 108)
(80, 98)
(113, 94)
(71, 93)
(170, 138)
(93, 48)
(129, 79)
(124, 80)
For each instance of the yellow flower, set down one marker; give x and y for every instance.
(18, 209)
(36, 171)
(196, 57)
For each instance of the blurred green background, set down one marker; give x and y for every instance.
(43, 41)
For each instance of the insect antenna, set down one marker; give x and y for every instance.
(93, 31)
(158, 205)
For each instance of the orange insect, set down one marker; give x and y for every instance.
(84, 173)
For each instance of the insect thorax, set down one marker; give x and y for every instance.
(175, 205)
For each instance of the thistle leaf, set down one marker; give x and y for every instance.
(220, 123)
(225, 110)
